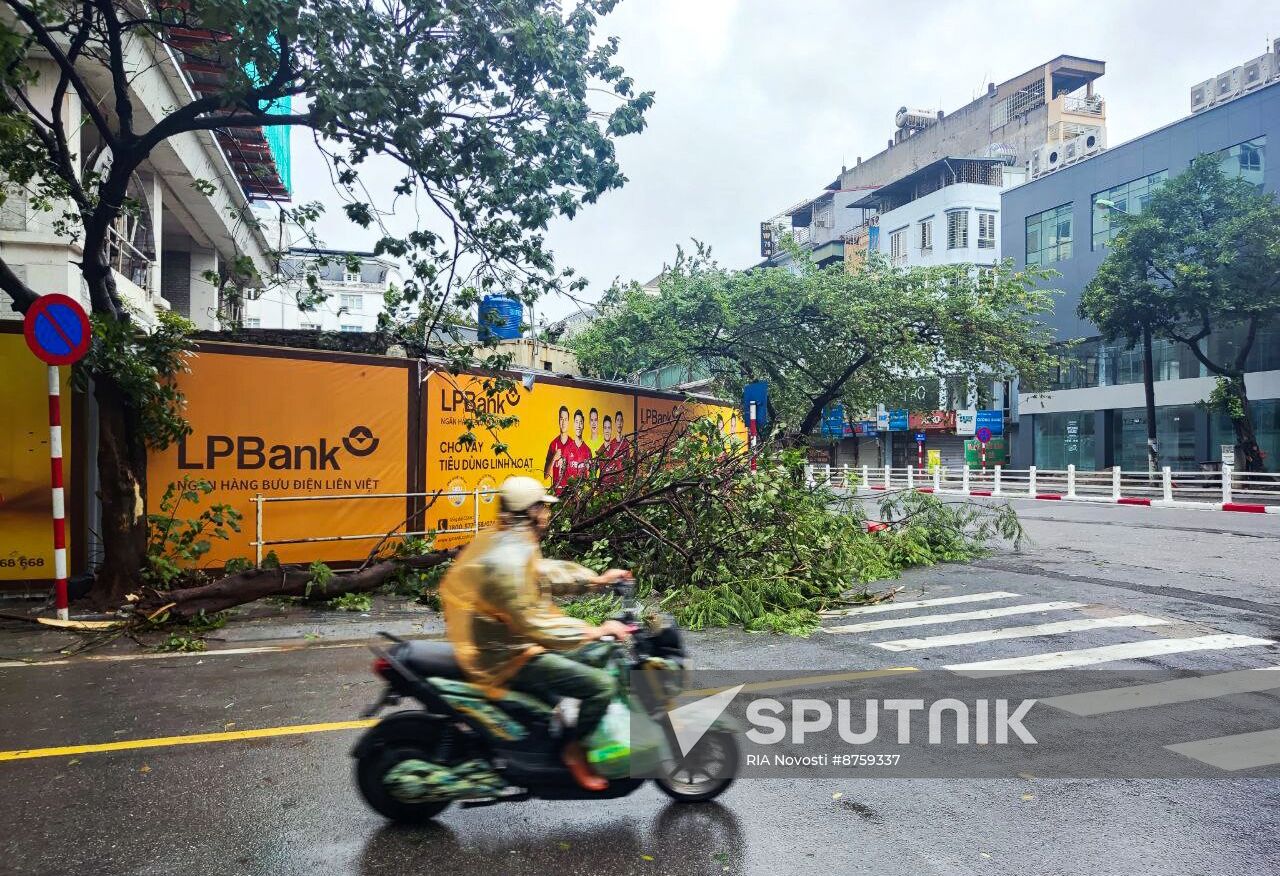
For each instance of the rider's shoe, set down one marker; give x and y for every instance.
(576, 760)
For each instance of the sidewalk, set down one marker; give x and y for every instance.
(252, 624)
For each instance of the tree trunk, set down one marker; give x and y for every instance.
(285, 581)
(1149, 389)
(1248, 453)
(122, 491)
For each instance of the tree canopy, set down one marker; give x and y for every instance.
(1203, 257)
(501, 115)
(820, 336)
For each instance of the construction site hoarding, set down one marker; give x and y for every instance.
(565, 429)
(297, 424)
(26, 500)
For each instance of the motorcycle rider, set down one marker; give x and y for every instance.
(508, 633)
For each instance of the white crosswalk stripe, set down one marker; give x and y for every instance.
(1106, 654)
(1050, 629)
(1164, 693)
(881, 607)
(1241, 751)
(954, 617)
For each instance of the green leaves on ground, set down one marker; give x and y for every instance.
(718, 544)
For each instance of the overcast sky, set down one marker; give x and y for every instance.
(759, 102)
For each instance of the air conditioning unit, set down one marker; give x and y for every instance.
(1226, 85)
(1202, 96)
(1258, 72)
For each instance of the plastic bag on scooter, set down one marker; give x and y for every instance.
(623, 736)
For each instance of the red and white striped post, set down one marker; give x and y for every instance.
(983, 445)
(57, 331)
(59, 494)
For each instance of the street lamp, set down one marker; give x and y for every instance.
(1148, 375)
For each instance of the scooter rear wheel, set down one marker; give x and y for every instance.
(392, 743)
(705, 773)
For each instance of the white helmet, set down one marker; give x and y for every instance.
(522, 493)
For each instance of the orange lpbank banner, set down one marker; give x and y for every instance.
(289, 423)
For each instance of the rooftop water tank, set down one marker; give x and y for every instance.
(500, 318)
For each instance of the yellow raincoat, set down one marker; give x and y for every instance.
(497, 604)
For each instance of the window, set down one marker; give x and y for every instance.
(350, 276)
(1247, 160)
(350, 328)
(958, 229)
(926, 235)
(353, 303)
(986, 230)
(1049, 236)
(311, 326)
(1130, 197)
(1065, 439)
(252, 322)
(546, 365)
(897, 247)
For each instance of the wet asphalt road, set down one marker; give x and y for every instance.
(287, 805)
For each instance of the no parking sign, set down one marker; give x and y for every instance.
(58, 332)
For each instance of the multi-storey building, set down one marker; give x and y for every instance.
(1050, 111)
(1095, 416)
(353, 296)
(193, 191)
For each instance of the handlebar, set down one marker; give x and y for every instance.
(626, 588)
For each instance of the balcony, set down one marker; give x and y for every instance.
(1093, 107)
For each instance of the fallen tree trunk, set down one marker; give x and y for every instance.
(285, 581)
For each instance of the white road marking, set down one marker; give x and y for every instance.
(1163, 693)
(955, 617)
(1239, 752)
(1049, 629)
(222, 652)
(1106, 654)
(880, 607)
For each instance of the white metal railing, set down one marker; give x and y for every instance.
(127, 260)
(1255, 490)
(1088, 106)
(260, 501)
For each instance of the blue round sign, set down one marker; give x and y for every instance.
(983, 435)
(56, 329)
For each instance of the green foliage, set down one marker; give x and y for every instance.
(236, 565)
(352, 602)
(207, 623)
(718, 544)
(175, 643)
(594, 609)
(321, 577)
(176, 545)
(1201, 258)
(823, 335)
(144, 366)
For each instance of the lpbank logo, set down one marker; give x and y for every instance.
(251, 452)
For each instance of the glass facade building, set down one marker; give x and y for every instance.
(1092, 413)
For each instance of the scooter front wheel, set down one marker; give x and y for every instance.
(705, 773)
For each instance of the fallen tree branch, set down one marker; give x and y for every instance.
(255, 584)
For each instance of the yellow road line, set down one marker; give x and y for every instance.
(192, 739)
(804, 681)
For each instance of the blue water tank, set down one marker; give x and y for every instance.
(500, 318)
